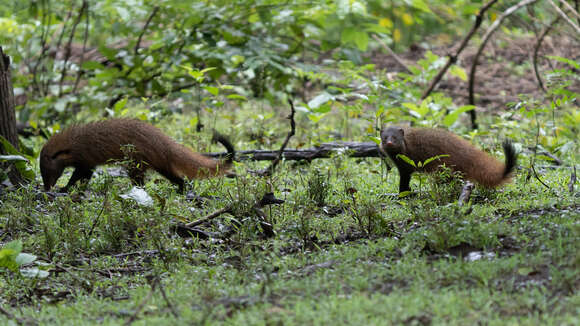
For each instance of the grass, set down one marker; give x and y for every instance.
(345, 252)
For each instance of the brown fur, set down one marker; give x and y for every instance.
(420, 144)
(86, 146)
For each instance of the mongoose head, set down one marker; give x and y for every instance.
(393, 139)
(52, 165)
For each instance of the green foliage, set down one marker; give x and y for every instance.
(15, 159)
(13, 259)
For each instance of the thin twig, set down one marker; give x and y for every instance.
(392, 53)
(269, 170)
(452, 58)
(484, 40)
(567, 5)
(538, 178)
(563, 15)
(153, 13)
(85, 38)
(67, 48)
(537, 49)
(209, 217)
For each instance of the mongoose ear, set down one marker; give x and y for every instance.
(402, 131)
(62, 155)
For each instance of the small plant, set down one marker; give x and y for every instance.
(13, 259)
(318, 188)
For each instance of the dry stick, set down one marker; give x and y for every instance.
(86, 37)
(452, 58)
(324, 150)
(572, 180)
(563, 15)
(570, 8)
(269, 170)
(465, 193)
(67, 51)
(537, 49)
(392, 53)
(209, 217)
(485, 38)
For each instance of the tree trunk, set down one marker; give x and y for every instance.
(7, 118)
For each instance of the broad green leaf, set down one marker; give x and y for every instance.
(213, 90)
(362, 40)
(34, 272)
(450, 118)
(455, 70)
(237, 97)
(565, 60)
(24, 258)
(120, 104)
(92, 65)
(421, 5)
(319, 100)
(406, 159)
(431, 159)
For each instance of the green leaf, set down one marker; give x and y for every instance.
(407, 160)
(320, 99)
(213, 90)
(376, 140)
(8, 255)
(92, 65)
(34, 272)
(23, 259)
(12, 158)
(431, 159)
(565, 60)
(421, 5)
(450, 118)
(237, 97)
(362, 41)
(120, 104)
(456, 70)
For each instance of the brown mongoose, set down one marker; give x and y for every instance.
(86, 146)
(420, 144)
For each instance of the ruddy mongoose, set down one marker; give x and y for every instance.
(86, 146)
(420, 144)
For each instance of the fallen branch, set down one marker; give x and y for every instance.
(324, 150)
(209, 217)
(269, 170)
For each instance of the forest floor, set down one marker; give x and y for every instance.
(345, 249)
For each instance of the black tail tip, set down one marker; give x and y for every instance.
(511, 156)
(219, 138)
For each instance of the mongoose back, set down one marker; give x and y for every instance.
(86, 146)
(420, 144)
